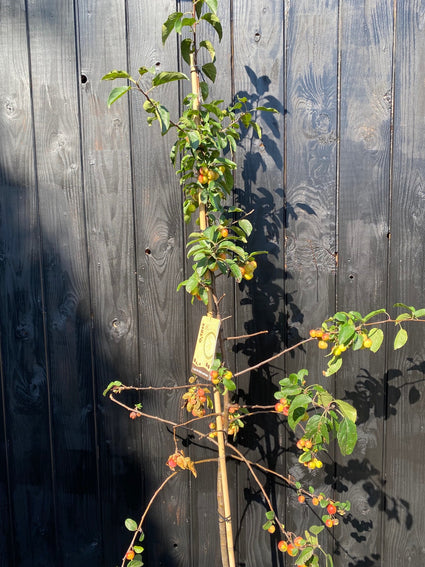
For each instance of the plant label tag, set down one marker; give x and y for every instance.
(205, 348)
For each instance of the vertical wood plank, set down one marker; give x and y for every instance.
(110, 230)
(65, 274)
(160, 257)
(365, 144)
(403, 505)
(311, 192)
(258, 75)
(26, 403)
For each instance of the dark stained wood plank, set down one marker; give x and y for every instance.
(310, 178)
(364, 192)
(110, 229)
(31, 532)
(258, 75)
(65, 275)
(403, 503)
(160, 257)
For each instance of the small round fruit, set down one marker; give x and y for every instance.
(203, 179)
(292, 550)
(224, 233)
(322, 345)
(271, 529)
(282, 546)
(367, 343)
(279, 407)
(171, 463)
(300, 443)
(228, 375)
(214, 374)
(331, 508)
(130, 555)
(222, 169)
(298, 541)
(308, 444)
(212, 425)
(248, 276)
(311, 465)
(326, 336)
(301, 498)
(312, 333)
(285, 410)
(315, 501)
(329, 523)
(203, 170)
(318, 463)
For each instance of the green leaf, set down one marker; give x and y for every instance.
(346, 333)
(324, 398)
(270, 515)
(212, 5)
(403, 317)
(168, 77)
(209, 47)
(400, 338)
(257, 128)
(316, 530)
(194, 139)
(267, 109)
(229, 384)
(347, 436)
(372, 314)
(168, 26)
(138, 549)
(408, 307)
(209, 69)
(333, 367)
(347, 410)
(358, 342)
(376, 336)
(164, 118)
(267, 525)
(214, 22)
(186, 46)
(131, 525)
(246, 226)
(112, 385)
(236, 272)
(304, 556)
(204, 90)
(135, 563)
(329, 560)
(112, 75)
(117, 93)
(419, 313)
(143, 71)
(341, 316)
(246, 119)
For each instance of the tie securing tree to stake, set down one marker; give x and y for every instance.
(207, 134)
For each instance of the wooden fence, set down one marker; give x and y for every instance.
(92, 248)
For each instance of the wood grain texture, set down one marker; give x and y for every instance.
(311, 199)
(22, 330)
(110, 229)
(366, 37)
(258, 75)
(160, 254)
(65, 275)
(403, 504)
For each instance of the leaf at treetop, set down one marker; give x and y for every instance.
(131, 525)
(168, 77)
(333, 367)
(400, 338)
(304, 556)
(372, 314)
(209, 70)
(346, 332)
(111, 385)
(112, 75)
(347, 436)
(347, 410)
(209, 47)
(185, 47)
(168, 26)
(212, 5)
(215, 22)
(117, 93)
(246, 226)
(376, 336)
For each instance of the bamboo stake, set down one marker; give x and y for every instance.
(223, 498)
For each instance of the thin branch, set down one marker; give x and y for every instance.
(246, 336)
